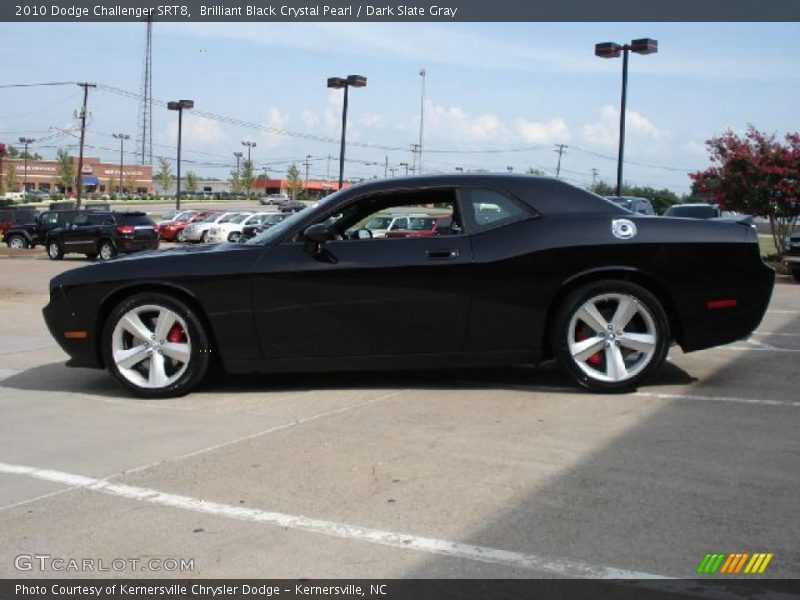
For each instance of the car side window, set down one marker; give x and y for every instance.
(488, 208)
(80, 220)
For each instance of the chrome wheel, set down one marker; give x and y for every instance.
(106, 251)
(54, 250)
(17, 242)
(151, 347)
(612, 337)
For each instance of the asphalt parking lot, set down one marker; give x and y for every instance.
(479, 473)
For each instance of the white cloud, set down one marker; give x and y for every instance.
(548, 132)
(198, 132)
(309, 118)
(278, 120)
(369, 120)
(605, 132)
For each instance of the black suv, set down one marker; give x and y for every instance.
(103, 234)
(34, 230)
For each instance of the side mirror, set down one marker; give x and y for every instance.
(319, 233)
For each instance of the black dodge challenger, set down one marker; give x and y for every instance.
(530, 269)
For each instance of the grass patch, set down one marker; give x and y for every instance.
(767, 244)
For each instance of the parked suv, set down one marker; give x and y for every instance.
(34, 231)
(103, 234)
(640, 206)
(15, 216)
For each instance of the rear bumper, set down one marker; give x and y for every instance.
(128, 245)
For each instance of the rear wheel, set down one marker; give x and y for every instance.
(55, 250)
(107, 251)
(156, 346)
(17, 241)
(235, 237)
(203, 237)
(181, 237)
(610, 335)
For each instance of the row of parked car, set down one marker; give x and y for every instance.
(214, 226)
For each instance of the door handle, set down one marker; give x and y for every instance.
(442, 254)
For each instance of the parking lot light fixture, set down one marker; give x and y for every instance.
(121, 137)
(249, 145)
(238, 156)
(25, 141)
(180, 106)
(613, 50)
(337, 83)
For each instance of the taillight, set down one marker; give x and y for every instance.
(125, 229)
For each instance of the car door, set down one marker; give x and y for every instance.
(364, 297)
(76, 234)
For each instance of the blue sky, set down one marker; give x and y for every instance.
(513, 88)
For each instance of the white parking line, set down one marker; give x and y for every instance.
(776, 333)
(734, 400)
(534, 562)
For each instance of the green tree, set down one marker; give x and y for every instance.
(756, 174)
(247, 177)
(235, 182)
(294, 183)
(191, 182)
(12, 181)
(65, 169)
(164, 176)
(112, 187)
(129, 182)
(535, 171)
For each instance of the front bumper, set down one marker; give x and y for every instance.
(65, 324)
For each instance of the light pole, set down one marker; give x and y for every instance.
(422, 73)
(179, 105)
(238, 156)
(121, 137)
(250, 145)
(26, 141)
(460, 169)
(339, 83)
(612, 50)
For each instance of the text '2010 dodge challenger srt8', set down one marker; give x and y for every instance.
(529, 269)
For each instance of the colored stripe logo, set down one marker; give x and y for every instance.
(734, 563)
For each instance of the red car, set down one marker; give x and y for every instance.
(173, 230)
(423, 227)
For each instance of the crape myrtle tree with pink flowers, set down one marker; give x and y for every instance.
(757, 174)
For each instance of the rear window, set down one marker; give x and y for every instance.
(693, 212)
(134, 220)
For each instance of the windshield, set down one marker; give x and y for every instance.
(238, 218)
(210, 218)
(378, 223)
(284, 223)
(625, 203)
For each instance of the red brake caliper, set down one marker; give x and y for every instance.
(176, 334)
(595, 358)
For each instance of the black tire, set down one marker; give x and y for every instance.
(200, 355)
(235, 237)
(203, 237)
(106, 250)
(649, 320)
(796, 272)
(181, 237)
(55, 251)
(91, 255)
(17, 241)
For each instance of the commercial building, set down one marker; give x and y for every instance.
(96, 176)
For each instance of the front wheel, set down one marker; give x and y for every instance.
(156, 346)
(181, 237)
(55, 251)
(235, 237)
(610, 335)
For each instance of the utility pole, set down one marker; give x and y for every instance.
(79, 186)
(307, 163)
(415, 148)
(559, 151)
(386, 168)
(406, 166)
(266, 178)
(594, 179)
